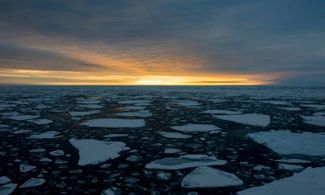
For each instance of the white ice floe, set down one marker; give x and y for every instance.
(187, 103)
(293, 161)
(91, 106)
(314, 106)
(290, 108)
(45, 135)
(141, 114)
(22, 131)
(45, 160)
(24, 168)
(310, 181)
(57, 153)
(207, 177)
(275, 102)
(22, 117)
(217, 111)
(4, 180)
(116, 135)
(115, 123)
(319, 114)
(171, 150)
(93, 151)
(128, 108)
(41, 121)
(196, 128)
(253, 119)
(88, 101)
(289, 167)
(136, 102)
(286, 142)
(33, 182)
(315, 120)
(174, 135)
(8, 188)
(185, 161)
(83, 113)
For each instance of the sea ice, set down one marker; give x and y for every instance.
(22, 117)
(196, 128)
(83, 113)
(93, 151)
(286, 142)
(4, 180)
(116, 135)
(185, 161)
(115, 123)
(57, 153)
(187, 103)
(309, 181)
(254, 119)
(174, 135)
(7, 189)
(289, 167)
(41, 121)
(315, 120)
(33, 182)
(24, 168)
(171, 150)
(141, 114)
(207, 177)
(45, 135)
(216, 111)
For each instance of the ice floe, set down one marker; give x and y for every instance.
(83, 113)
(290, 108)
(314, 106)
(196, 128)
(217, 111)
(116, 135)
(185, 161)
(309, 181)
(141, 114)
(22, 117)
(93, 151)
(290, 167)
(115, 123)
(45, 135)
(253, 119)
(207, 177)
(171, 150)
(24, 168)
(41, 121)
(174, 135)
(293, 161)
(286, 142)
(4, 180)
(33, 182)
(57, 153)
(7, 189)
(315, 120)
(187, 103)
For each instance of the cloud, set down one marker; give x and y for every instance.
(185, 37)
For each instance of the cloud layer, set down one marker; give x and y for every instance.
(280, 42)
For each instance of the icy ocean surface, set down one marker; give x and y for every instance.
(162, 140)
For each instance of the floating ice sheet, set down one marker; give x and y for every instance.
(207, 177)
(309, 181)
(217, 111)
(115, 123)
(286, 142)
(45, 135)
(253, 119)
(196, 128)
(185, 161)
(93, 151)
(174, 135)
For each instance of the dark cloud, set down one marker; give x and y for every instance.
(16, 57)
(252, 36)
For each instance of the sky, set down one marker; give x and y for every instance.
(162, 42)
